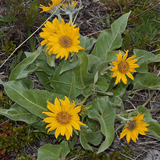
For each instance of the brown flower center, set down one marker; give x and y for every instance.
(132, 125)
(123, 67)
(65, 41)
(63, 117)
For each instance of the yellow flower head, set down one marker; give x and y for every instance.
(60, 38)
(46, 9)
(63, 117)
(68, 4)
(134, 127)
(123, 67)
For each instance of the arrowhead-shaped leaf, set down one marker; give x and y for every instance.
(146, 81)
(111, 38)
(49, 152)
(64, 83)
(18, 113)
(82, 77)
(35, 101)
(20, 70)
(89, 137)
(105, 114)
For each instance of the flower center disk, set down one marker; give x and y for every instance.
(65, 41)
(123, 67)
(132, 125)
(63, 117)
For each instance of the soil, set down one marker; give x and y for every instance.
(92, 20)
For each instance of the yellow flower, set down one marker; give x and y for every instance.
(123, 67)
(60, 38)
(68, 4)
(134, 127)
(63, 117)
(46, 9)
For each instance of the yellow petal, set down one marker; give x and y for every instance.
(124, 79)
(125, 56)
(63, 130)
(75, 125)
(128, 137)
(69, 129)
(130, 75)
(67, 135)
(49, 114)
(52, 126)
(49, 120)
(58, 131)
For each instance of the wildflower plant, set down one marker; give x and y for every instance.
(83, 92)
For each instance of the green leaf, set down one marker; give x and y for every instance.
(146, 81)
(154, 127)
(28, 53)
(27, 83)
(115, 101)
(20, 70)
(82, 77)
(102, 84)
(64, 83)
(111, 38)
(102, 111)
(92, 60)
(35, 101)
(18, 113)
(43, 66)
(86, 136)
(70, 65)
(121, 23)
(44, 80)
(106, 42)
(95, 78)
(65, 149)
(33, 8)
(87, 91)
(32, 41)
(49, 152)
(32, 14)
(51, 59)
(87, 43)
(120, 89)
(144, 58)
(157, 59)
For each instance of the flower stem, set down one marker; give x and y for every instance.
(121, 118)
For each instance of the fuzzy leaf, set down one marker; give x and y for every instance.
(89, 137)
(51, 59)
(146, 81)
(35, 101)
(64, 83)
(70, 65)
(105, 114)
(43, 66)
(87, 43)
(144, 58)
(65, 149)
(20, 70)
(44, 79)
(111, 38)
(49, 152)
(82, 77)
(18, 113)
